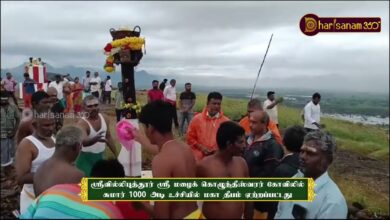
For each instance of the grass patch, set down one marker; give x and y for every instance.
(355, 191)
(356, 137)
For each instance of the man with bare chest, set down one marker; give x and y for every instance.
(228, 163)
(59, 169)
(96, 132)
(174, 158)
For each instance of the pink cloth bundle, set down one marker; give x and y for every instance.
(125, 134)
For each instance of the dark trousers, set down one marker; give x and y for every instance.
(107, 97)
(174, 115)
(309, 130)
(12, 94)
(96, 94)
(118, 114)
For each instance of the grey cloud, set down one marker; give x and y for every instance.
(226, 39)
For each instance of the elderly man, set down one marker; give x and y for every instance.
(315, 157)
(96, 135)
(59, 169)
(202, 131)
(254, 105)
(262, 156)
(32, 151)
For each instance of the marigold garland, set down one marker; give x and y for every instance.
(132, 43)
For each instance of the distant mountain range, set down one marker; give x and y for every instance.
(143, 79)
(304, 85)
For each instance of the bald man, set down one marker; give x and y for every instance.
(262, 156)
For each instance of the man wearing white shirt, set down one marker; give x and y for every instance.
(107, 90)
(58, 84)
(95, 85)
(86, 85)
(270, 106)
(170, 97)
(312, 113)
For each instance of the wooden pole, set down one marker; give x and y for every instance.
(129, 88)
(128, 61)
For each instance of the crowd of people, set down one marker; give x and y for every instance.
(51, 158)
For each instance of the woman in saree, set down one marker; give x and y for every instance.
(77, 95)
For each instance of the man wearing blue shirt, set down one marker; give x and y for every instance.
(315, 157)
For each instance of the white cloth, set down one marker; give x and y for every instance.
(312, 114)
(131, 160)
(25, 200)
(27, 195)
(273, 112)
(170, 93)
(98, 147)
(59, 87)
(86, 81)
(107, 86)
(95, 88)
(329, 202)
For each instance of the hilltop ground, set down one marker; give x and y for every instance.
(360, 168)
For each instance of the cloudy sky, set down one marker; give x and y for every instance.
(226, 40)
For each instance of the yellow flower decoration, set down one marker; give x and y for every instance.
(137, 106)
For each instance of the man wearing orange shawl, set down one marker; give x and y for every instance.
(201, 134)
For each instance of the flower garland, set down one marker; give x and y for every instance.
(130, 43)
(137, 107)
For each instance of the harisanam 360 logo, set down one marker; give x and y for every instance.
(311, 24)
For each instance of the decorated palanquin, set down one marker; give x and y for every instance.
(126, 48)
(37, 71)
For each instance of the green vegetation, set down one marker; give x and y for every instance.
(362, 139)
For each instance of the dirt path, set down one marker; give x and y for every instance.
(371, 172)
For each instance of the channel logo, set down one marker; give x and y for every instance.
(311, 24)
